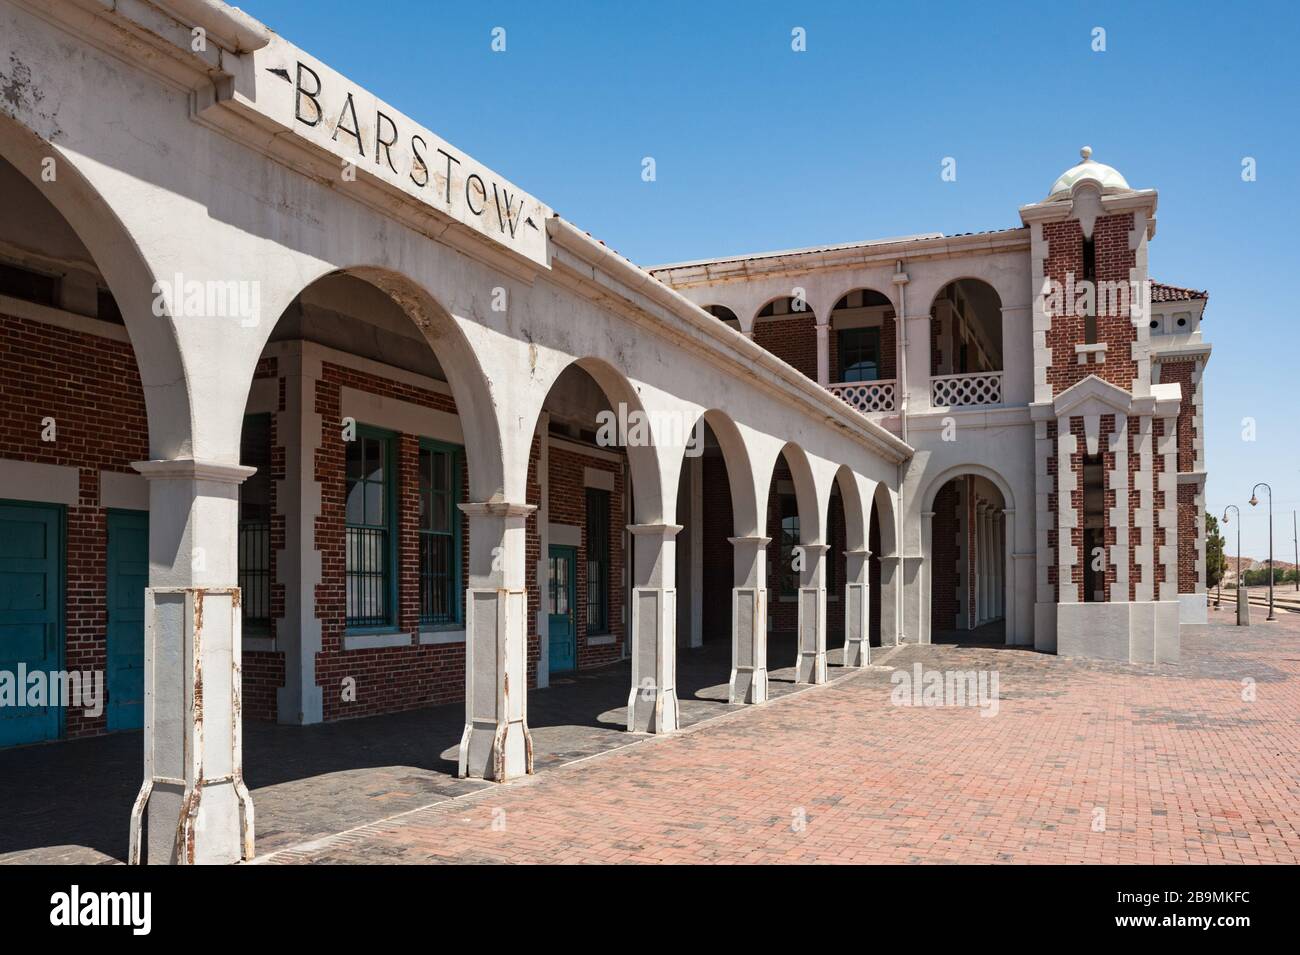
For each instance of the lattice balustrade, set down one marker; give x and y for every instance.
(956, 391)
(867, 396)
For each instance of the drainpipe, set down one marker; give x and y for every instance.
(900, 281)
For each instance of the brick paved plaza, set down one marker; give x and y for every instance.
(1183, 768)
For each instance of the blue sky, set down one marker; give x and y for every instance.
(758, 147)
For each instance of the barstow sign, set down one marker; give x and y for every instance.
(298, 93)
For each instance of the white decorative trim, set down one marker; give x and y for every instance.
(372, 641)
(603, 640)
(189, 469)
(128, 492)
(598, 478)
(434, 638)
(564, 535)
(39, 483)
(397, 415)
(60, 318)
(560, 443)
(1083, 351)
(370, 366)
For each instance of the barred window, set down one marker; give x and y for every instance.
(598, 562)
(370, 538)
(440, 530)
(254, 543)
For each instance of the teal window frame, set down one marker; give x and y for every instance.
(854, 341)
(390, 575)
(456, 618)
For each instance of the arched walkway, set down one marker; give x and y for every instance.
(968, 536)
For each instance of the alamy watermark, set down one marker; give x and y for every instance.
(633, 428)
(81, 689)
(921, 687)
(180, 297)
(1078, 298)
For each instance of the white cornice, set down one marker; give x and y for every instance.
(861, 255)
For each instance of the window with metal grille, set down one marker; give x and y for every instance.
(440, 574)
(859, 354)
(369, 536)
(254, 545)
(598, 561)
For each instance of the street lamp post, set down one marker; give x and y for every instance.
(1234, 507)
(1253, 501)
(1296, 541)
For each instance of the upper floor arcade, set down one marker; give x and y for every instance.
(919, 324)
(934, 324)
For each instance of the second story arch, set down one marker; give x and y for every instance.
(966, 346)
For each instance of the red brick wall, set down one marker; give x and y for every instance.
(91, 387)
(568, 505)
(943, 561)
(388, 678)
(792, 339)
(1158, 500)
(1180, 373)
(1113, 260)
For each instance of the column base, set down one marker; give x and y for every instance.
(748, 685)
(652, 710)
(211, 824)
(857, 653)
(811, 667)
(498, 752)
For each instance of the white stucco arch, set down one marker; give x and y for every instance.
(884, 505)
(958, 470)
(855, 513)
(470, 387)
(647, 462)
(740, 473)
(1009, 583)
(812, 504)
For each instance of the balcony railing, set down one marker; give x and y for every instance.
(866, 396)
(957, 391)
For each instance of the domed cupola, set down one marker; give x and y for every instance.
(1107, 177)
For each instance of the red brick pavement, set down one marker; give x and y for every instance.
(1183, 768)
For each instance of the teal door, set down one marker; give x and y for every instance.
(31, 617)
(128, 574)
(563, 628)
